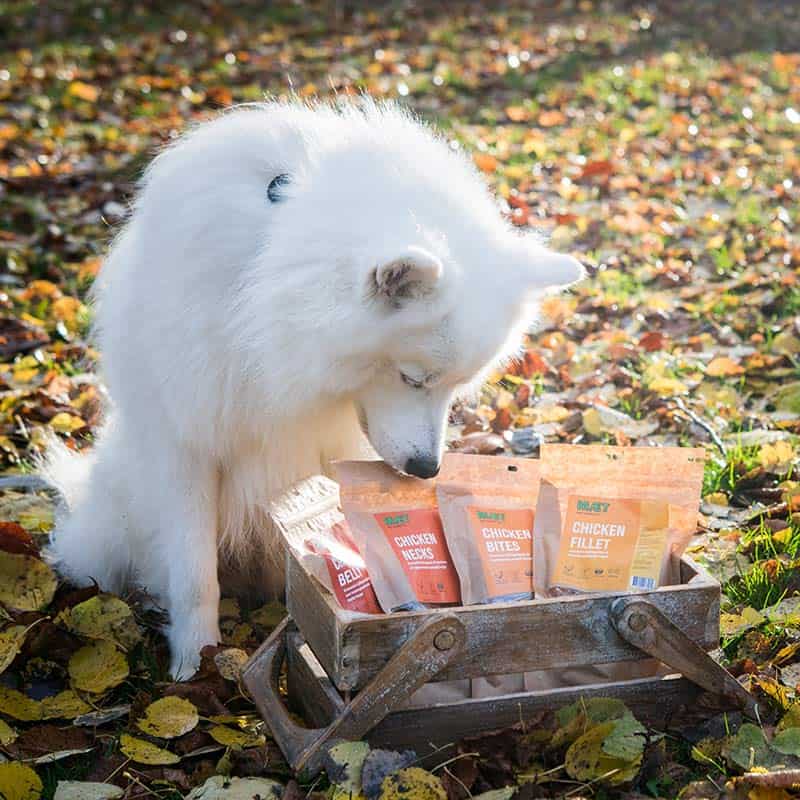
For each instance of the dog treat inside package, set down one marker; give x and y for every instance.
(614, 518)
(396, 527)
(487, 507)
(314, 528)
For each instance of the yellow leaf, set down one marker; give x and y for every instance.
(19, 706)
(412, 782)
(143, 752)
(19, 782)
(776, 457)
(168, 718)
(83, 91)
(98, 667)
(235, 739)
(666, 387)
(586, 760)
(64, 705)
(723, 367)
(103, 617)
(230, 662)
(64, 422)
(7, 733)
(11, 640)
(26, 582)
(66, 309)
(730, 624)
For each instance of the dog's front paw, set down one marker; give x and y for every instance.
(188, 637)
(184, 665)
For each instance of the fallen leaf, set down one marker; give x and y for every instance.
(233, 738)
(219, 787)
(86, 790)
(7, 733)
(230, 662)
(11, 640)
(19, 782)
(169, 718)
(103, 617)
(26, 583)
(723, 367)
(412, 782)
(732, 624)
(143, 752)
(98, 667)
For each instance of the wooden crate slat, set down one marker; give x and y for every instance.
(501, 639)
(652, 700)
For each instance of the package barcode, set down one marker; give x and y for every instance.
(643, 583)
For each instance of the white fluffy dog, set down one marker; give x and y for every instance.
(293, 281)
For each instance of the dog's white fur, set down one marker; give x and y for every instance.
(248, 342)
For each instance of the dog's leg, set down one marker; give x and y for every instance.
(189, 531)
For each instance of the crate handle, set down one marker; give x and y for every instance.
(426, 653)
(641, 624)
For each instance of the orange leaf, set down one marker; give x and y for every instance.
(547, 119)
(723, 367)
(485, 162)
(84, 91)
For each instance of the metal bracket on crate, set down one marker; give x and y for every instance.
(641, 624)
(427, 652)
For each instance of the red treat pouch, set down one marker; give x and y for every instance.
(396, 527)
(349, 580)
(487, 504)
(314, 529)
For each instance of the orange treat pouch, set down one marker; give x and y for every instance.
(314, 529)
(396, 526)
(614, 518)
(487, 506)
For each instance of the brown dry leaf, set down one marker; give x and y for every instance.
(11, 640)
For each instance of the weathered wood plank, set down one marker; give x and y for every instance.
(435, 727)
(502, 638)
(310, 689)
(652, 700)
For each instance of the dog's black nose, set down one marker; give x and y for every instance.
(422, 467)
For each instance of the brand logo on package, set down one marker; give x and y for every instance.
(593, 507)
(396, 519)
(495, 515)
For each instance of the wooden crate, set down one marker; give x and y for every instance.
(351, 675)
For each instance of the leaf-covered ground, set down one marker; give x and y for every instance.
(659, 143)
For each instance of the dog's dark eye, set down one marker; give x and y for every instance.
(275, 185)
(414, 384)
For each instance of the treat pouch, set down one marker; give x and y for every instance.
(314, 528)
(487, 505)
(396, 527)
(614, 518)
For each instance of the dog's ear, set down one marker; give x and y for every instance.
(410, 275)
(552, 271)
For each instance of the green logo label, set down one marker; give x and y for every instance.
(499, 516)
(397, 519)
(593, 507)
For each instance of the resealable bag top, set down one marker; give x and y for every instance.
(396, 527)
(314, 529)
(487, 505)
(614, 518)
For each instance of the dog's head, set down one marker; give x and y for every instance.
(435, 287)
(379, 266)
